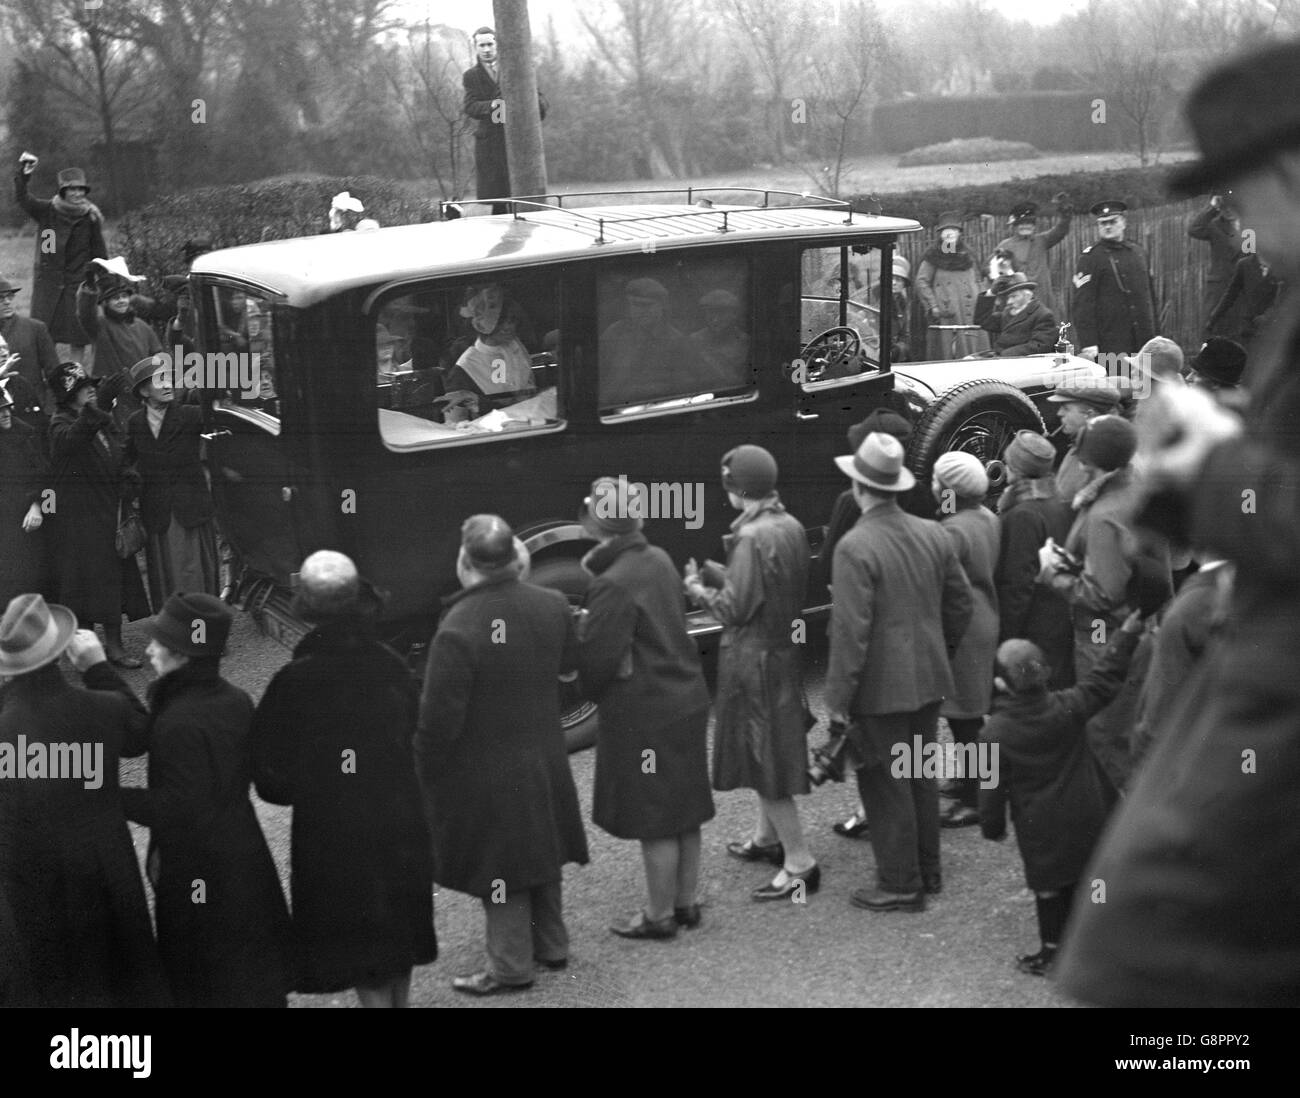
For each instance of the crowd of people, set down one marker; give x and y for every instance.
(1116, 633)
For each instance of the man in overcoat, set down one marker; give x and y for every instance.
(900, 604)
(1030, 247)
(490, 753)
(30, 340)
(484, 104)
(1020, 324)
(1114, 308)
(1201, 856)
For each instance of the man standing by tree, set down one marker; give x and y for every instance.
(483, 103)
(1114, 308)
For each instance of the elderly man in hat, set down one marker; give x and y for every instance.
(1114, 309)
(490, 754)
(69, 234)
(1029, 247)
(900, 604)
(1079, 404)
(643, 356)
(226, 944)
(1205, 842)
(332, 738)
(31, 350)
(68, 869)
(1019, 323)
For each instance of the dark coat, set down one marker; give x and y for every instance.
(31, 340)
(1205, 843)
(24, 477)
(1225, 249)
(1033, 331)
(1026, 608)
(172, 484)
(89, 576)
(641, 666)
(1114, 306)
(120, 342)
(1047, 774)
(60, 269)
(482, 101)
(231, 949)
(490, 750)
(759, 741)
(1248, 303)
(976, 536)
(900, 605)
(68, 868)
(332, 738)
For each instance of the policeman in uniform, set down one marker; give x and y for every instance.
(1114, 296)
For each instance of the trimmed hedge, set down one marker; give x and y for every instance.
(1137, 187)
(968, 150)
(245, 213)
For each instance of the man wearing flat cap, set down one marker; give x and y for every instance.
(1201, 856)
(1079, 404)
(490, 755)
(643, 355)
(1114, 310)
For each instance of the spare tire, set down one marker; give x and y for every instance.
(978, 417)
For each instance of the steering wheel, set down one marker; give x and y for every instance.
(833, 353)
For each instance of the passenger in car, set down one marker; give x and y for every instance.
(643, 356)
(1019, 324)
(496, 367)
(723, 344)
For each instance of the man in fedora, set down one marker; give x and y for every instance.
(1020, 324)
(1114, 310)
(1201, 856)
(69, 234)
(29, 340)
(1079, 404)
(68, 868)
(900, 603)
(490, 754)
(1218, 367)
(1030, 247)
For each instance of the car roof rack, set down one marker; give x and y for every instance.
(699, 205)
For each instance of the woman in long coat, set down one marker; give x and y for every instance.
(960, 484)
(163, 443)
(332, 738)
(498, 789)
(78, 237)
(947, 285)
(228, 946)
(90, 493)
(24, 477)
(638, 661)
(68, 868)
(760, 738)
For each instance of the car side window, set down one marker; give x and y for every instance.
(823, 291)
(469, 362)
(242, 371)
(674, 333)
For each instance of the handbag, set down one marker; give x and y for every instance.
(130, 532)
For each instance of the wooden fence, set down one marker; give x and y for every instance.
(1178, 263)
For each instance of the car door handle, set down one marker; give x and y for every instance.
(221, 432)
(804, 417)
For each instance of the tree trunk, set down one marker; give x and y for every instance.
(524, 152)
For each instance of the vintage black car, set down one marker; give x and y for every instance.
(409, 377)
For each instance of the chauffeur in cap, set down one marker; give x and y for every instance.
(1205, 844)
(1114, 308)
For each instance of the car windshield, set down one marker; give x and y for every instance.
(826, 291)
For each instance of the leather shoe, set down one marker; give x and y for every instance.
(484, 983)
(750, 851)
(959, 815)
(811, 879)
(639, 926)
(877, 899)
(855, 827)
(932, 885)
(554, 964)
(687, 917)
(1037, 964)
